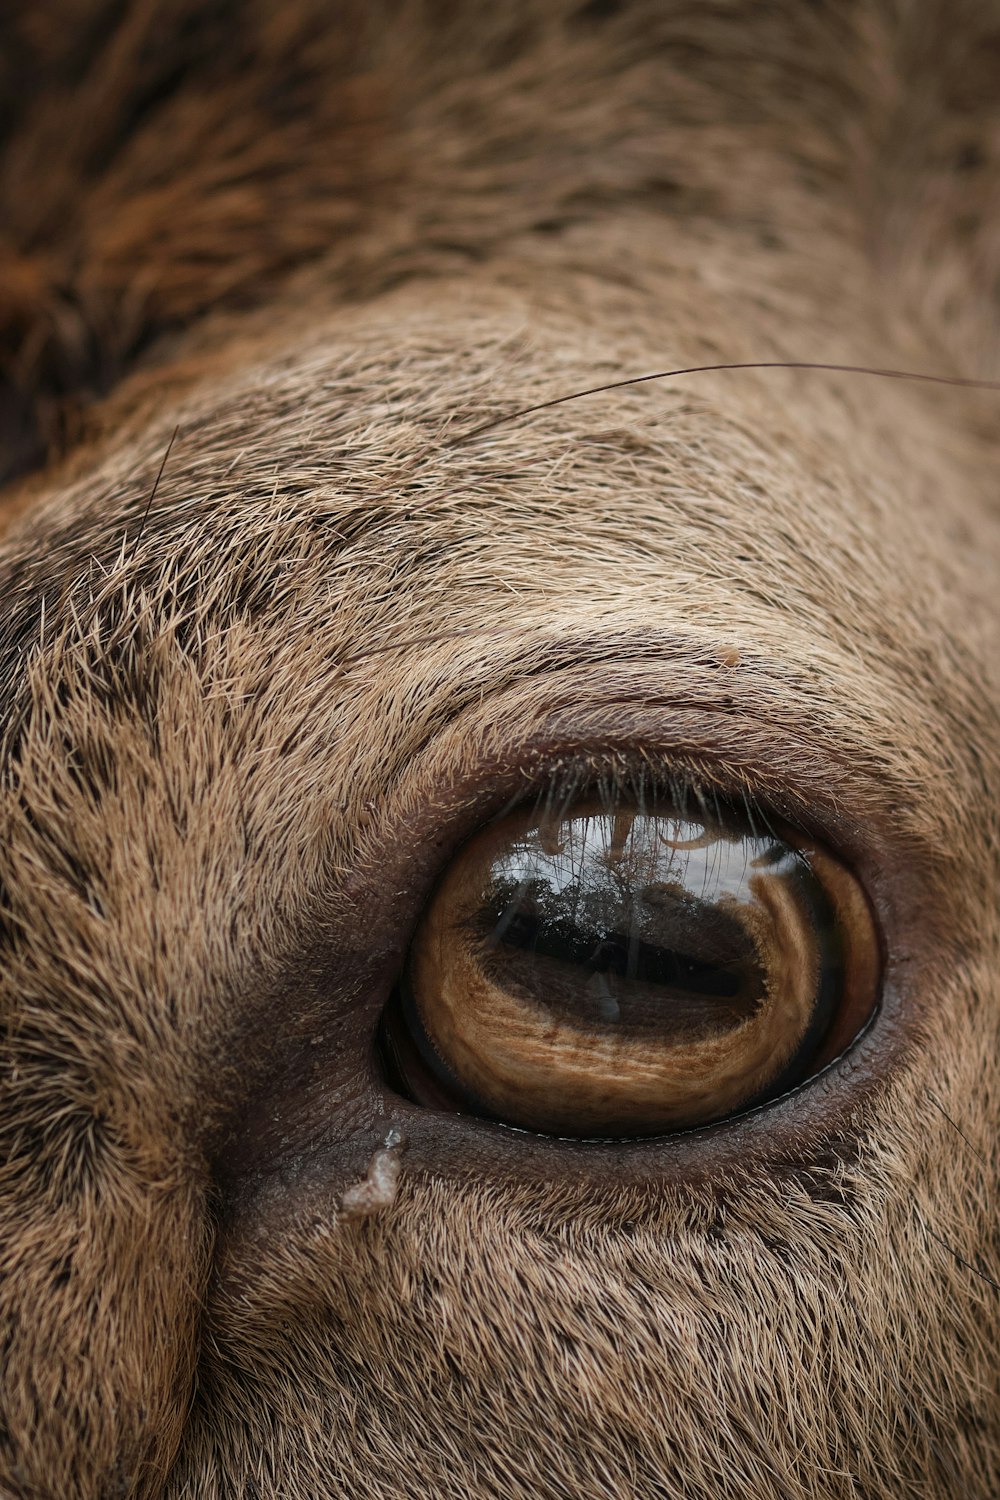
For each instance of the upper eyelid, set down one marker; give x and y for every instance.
(771, 721)
(784, 774)
(670, 673)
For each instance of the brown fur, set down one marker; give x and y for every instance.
(243, 731)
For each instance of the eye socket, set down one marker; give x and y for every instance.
(626, 967)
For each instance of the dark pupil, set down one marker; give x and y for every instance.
(638, 922)
(532, 924)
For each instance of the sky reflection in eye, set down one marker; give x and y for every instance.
(630, 859)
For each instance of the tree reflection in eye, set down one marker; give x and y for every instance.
(617, 898)
(627, 970)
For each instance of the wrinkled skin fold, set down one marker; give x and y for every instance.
(277, 636)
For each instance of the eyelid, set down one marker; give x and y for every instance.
(494, 753)
(742, 733)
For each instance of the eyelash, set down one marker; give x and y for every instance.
(645, 784)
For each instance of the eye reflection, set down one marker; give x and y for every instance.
(626, 970)
(645, 907)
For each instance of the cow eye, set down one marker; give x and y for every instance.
(626, 968)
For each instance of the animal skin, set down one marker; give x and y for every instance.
(289, 610)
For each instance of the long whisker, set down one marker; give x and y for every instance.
(152, 493)
(957, 1128)
(983, 1275)
(962, 381)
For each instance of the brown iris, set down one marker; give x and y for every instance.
(625, 971)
